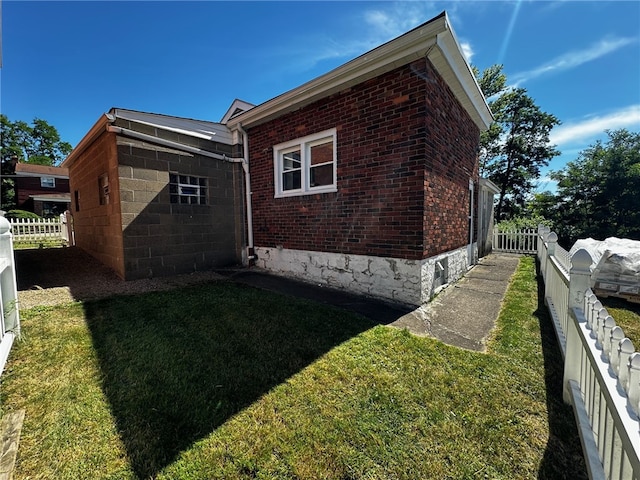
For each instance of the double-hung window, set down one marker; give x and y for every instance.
(306, 165)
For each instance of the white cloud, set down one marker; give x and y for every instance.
(589, 128)
(467, 51)
(398, 18)
(574, 58)
(373, 28)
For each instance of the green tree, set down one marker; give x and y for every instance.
(599, 193)
(516, 145)
(38, 143)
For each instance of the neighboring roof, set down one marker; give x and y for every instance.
(489, 185)
(186, 126)
(211, 131)
(434, 39)
(33, 170)
(52, 197)
(237, 107)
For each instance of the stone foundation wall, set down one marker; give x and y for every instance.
(408, 282)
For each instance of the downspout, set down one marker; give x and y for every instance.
(179, 146)
(247, 180)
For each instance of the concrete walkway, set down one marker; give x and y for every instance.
(462, 314)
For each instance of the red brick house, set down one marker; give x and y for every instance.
(364, 179)
(42, 189)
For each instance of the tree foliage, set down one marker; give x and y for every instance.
(38, 143)
(516, 145)
(598, 194)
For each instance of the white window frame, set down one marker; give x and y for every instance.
(304, 144)
(48, 182)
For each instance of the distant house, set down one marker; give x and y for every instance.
(364, 179)
(41, 189)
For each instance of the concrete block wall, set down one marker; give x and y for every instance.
(161, 238)
(406, 150)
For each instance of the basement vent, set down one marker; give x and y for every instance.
(441, 272)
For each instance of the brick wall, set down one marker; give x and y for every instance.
(97, 227)
(406, 150)
(163, 238)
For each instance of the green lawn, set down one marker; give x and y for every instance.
(627, 316)
(226, 381)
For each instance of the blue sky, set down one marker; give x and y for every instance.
(68, 62)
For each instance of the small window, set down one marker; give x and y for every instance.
(103, 188)
(47, 182)
(76, 198)
(306, 165)
(188, 190)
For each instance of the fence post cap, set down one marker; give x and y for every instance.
(5, 226)
(634, 361)
(626, 346)
(581, 260)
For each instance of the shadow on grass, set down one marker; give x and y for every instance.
(563, 457)
(177, 365)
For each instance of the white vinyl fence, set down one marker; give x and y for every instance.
(43, 230)
(515, 241)
(9, 316)
(601, 367)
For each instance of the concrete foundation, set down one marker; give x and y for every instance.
(408, 282)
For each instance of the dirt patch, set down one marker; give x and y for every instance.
(60, 275)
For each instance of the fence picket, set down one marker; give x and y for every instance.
(515, 241)
(602, 368)
(41, 230)
(9, 312)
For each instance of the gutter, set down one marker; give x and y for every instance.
(195, 150)
(169, 143)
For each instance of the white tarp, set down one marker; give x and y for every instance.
(615, 260)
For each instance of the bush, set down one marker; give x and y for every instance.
(20, 214)
(522, 223)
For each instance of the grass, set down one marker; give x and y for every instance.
(627, 316)
(25, 245)
(225, 381)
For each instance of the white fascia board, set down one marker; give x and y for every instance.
(418, 43)
(237, 104)
(51, 198)
(489, 185)
(411, 46)
(458, 74)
